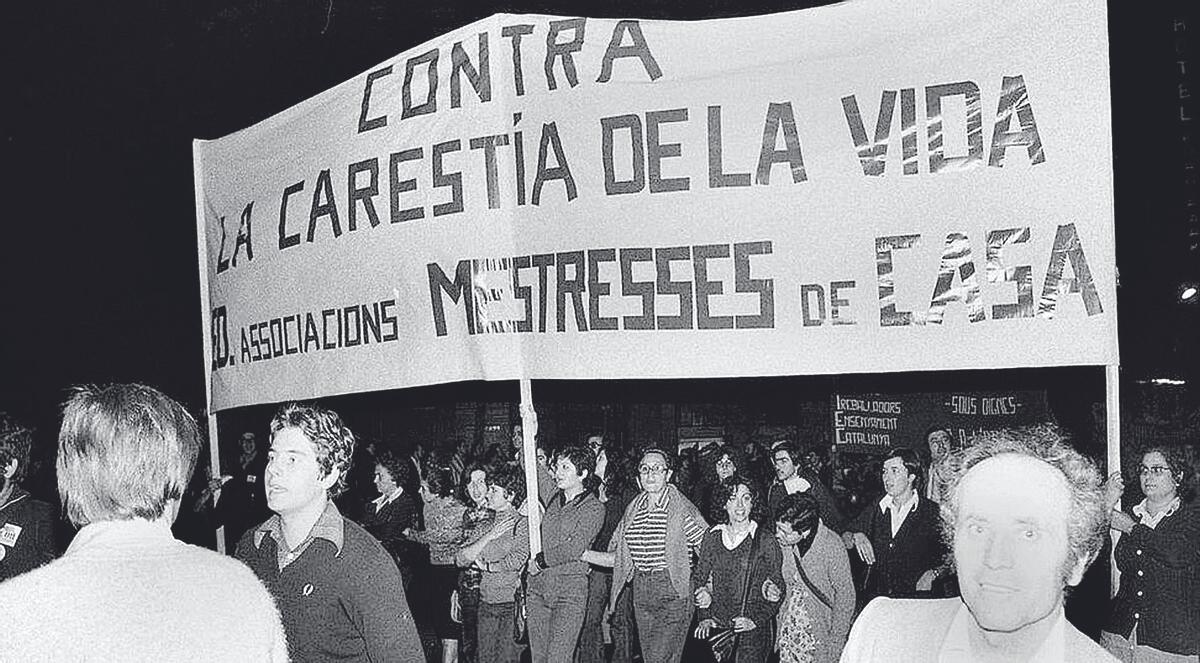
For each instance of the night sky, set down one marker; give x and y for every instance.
(98, 268)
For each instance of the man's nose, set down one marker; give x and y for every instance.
(998, 551)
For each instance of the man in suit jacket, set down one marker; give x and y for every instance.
(900, 536)
(1028, 516)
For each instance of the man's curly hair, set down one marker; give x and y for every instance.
(333, 441)
(1087, 516)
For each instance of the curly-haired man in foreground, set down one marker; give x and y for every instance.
(1025, 515)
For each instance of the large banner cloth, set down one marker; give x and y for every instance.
(866, 187)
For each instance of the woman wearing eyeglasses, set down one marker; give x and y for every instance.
(1156, 614)
(651, 550)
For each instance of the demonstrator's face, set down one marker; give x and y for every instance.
(1010, 542)
(294, 477)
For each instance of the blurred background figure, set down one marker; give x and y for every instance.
(27, 525)
(243, 502)
(443, 534)
(477, 521)
(1156, 613)
(394, 511)
(126, 590)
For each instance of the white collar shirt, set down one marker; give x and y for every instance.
(384, 500)
(899, 512)
(1152, 521)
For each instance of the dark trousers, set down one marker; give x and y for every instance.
(591, 637)
(468, 601)
(662, 615)
(556, 607)
(495, 633)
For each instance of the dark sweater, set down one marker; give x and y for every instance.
(347, 606)
(1160, 583)
(900, 561)
(388, 525)
(725, 568)
(34, 543)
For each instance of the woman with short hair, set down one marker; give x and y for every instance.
(1156, 613)
(652, 549)
(500, 555)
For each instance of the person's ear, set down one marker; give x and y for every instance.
(10, 470)
(330, 479)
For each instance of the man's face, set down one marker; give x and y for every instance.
(294, 477)
(1010, 542)
(784, 467)
(896, 477)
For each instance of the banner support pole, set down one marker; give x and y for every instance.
(533, 502)
(1112, 380)
(214, 451)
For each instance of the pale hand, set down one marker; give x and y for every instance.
(925, 582)
(704, 627)
(863, 545)
(743, 624)
(1113, 489)
(703, 598)
(770, 591)
(529, 419)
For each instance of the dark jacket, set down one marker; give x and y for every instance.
(900, 561)
(26, 534)
(831, 515)
(763, 561)
(388, 525)
(1160, 583)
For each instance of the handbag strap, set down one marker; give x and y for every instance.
(809, 583)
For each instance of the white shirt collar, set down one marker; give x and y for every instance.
(887, 501)
(384, 500)
(1143, 513)
(796, 484)
(957, 645)
(732, 539)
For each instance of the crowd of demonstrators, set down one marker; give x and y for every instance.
(126, 589)
(1156, 613)
(27, 525)
(646, 555)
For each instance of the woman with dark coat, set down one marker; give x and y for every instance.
(736, 562)
(1156, 613)
(395, 510)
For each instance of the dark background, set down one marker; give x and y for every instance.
(98, 270)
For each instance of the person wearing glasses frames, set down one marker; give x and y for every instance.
(1156, 613)
(652, 548)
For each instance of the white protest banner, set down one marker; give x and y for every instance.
(866, 187)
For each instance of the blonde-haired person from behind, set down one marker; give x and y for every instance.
(126, 590)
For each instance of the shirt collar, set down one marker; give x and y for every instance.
(796, 483)
(957, 645)
(887, 502)
(384, 500)
(16, 496)
(648, 501)
(1143, 513)
(329, 526)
